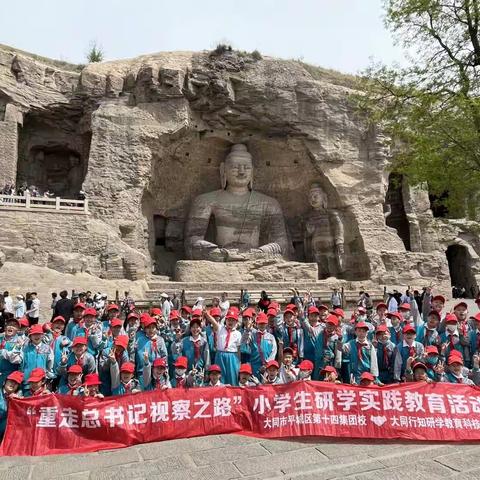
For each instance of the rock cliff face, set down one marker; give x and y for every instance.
(143, 136)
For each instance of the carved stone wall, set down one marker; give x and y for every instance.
(144, 136)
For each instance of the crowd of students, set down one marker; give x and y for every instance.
(93, 354)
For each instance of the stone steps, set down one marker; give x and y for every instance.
(280, 292)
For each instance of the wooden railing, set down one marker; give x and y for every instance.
(56, 204)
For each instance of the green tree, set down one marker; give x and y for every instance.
(95, 53)
(431, 107)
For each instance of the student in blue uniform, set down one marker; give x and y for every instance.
(56, 340)
(123, 379)
(11, 352)
(79, 356)
(195, 347)
(262, 344)
(180, 379)
(229, 340)
(311, 330)
(214, 376)
(396, 334)
(326, 346)
(75, 321)
(385, 354)
(245, 376)
(451, 338)
(38, 384)
(155, 376)
(361, 354)
(427, 333)
(74, 386)
(154, 345)
(36, 354)
(291, 333)
(11, 388)
(408, 348)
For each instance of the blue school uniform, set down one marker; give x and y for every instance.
(451, 339)
(474, 341)
(360, 359)
(3, 412)
(123, 389)
(228, 345)
(104, 369)
(293, 338)
(197, 357)
(211, 339)
(36, 356)
(402, 352)
(264, 349)
(325, 351)
(10, 356)
(57, 347)
(396, 335)
(310, 340)
(156, 349)
(386, 361)
(426, 336)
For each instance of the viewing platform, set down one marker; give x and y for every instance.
(44, 204)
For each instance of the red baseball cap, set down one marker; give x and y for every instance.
(381, 305)
(245, 368)
(122, 341)
(186, 308)
(338, 312)
(455, 359)
(451, 318)
(272, 312)
(75, 368)
(128, 367)
(332, 319)
(394, 314)
(460, 304)
(248, 312)
(405, 306)
(159, 362)
(149, 321)
(116, 322)
(58, 318)
(175, 315)
(361, 325)
(312, 309)
(409, 328)
(367, 376)
(361, 310)
(477, 317)
(156, 311)
(89, 312)
(133, 315)
(381, 329)
(79, 341)
(79, 305)
(233, 314)
(35, 329)
(215, 312)
(36, 375)
(23, 322)
(305, 365)
(328, 369)
(112, 306)
(215, 368)
(16, 376)
(439, 297)
(431, 349)
(272, 363)
(92, 379)
(181, 362)
(261, 318)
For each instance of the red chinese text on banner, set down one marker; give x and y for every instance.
(61, 424)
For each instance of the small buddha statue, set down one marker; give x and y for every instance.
(324, 235)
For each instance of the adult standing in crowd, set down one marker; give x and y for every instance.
(33, 314)
(64, 306)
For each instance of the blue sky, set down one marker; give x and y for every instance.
(339, 34)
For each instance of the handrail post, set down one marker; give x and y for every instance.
(57, 203)
(27, 199)
(85, 205)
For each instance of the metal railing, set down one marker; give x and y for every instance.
(56, 204)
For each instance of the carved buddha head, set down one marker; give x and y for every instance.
(317, 197)
(237, 169)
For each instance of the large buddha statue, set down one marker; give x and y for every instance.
(248, 224)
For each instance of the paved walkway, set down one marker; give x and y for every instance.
(228, 457)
